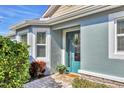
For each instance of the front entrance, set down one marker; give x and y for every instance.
(73, 51)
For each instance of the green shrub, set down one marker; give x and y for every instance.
(14, 63)
(83, 83)
(61, 68)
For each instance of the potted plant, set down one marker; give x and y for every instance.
(61, 69)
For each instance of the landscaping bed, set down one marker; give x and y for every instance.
(83, 83)
(73, 80)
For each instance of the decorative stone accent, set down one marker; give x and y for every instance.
(111, 83)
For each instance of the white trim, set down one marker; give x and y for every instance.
(112, 35)
(28, 42)
(49, 48)
(115, 24)
(120, 34)
(115, 78)
(64, 41)
(33, 44)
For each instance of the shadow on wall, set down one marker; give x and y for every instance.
(47, 71)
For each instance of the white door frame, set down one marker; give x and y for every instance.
(64, 41)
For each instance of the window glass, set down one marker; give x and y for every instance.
(120, 27)
(41, 37)
(41, 51)
(120, 43)
(24, 38)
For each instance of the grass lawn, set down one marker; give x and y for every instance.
(83, 83)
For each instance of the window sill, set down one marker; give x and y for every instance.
(117, 55)
(41, 58)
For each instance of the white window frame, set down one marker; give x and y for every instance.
(116, 36)
(41, 45)
(48, 44)
(112, 35)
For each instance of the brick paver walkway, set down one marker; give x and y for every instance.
(46, 82)
(53, 81)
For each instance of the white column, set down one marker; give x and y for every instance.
(17, 37)
(29, 42)
(48, 47)
(33, 44)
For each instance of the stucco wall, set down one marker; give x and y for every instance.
(94, 47)
(56, 46)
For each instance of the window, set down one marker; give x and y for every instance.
(120, 35)
(116, 35)
(24, 38)
(41, 44)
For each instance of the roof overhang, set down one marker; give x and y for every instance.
(50, 11)
(29, 23)
(67, 17)
(93, 9)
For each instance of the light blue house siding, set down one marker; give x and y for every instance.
(56, 47)
(94, 47)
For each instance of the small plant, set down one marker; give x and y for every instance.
(37, 68)
(83, 83)
(61, 68)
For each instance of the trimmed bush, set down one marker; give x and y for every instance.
(83, 83)
(14, 63)
(37, 68)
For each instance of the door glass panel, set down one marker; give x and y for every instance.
(76, 42)
(77, 54)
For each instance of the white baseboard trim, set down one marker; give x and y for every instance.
(115, 78)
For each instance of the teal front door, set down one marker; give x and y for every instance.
(73, 51)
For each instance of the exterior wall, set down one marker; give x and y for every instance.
(94, 47)
(56, 47)
(66, 8)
